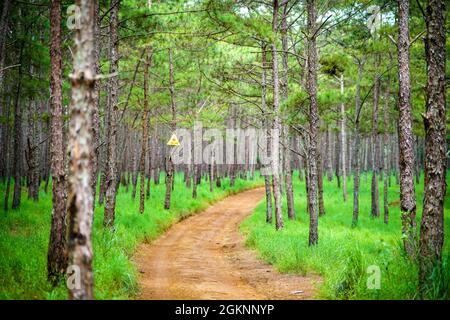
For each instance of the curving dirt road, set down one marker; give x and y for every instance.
(204, 257)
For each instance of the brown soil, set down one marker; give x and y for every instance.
(204, 257)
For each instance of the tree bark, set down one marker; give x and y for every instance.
(357, 157)
(328, 155)
(385, 148)
(375, 209)
(284, 94)
(432, 224)
(80, 208)
(170, 167)
(5, 149)
(144, 133)
(266, 121)
(95, 108)
(343, 143)
(17, 164)
(405, 137)
(135, 168)
(57, 255)
(311, 81)
(337, 156)
(111, 177)
(320, 183)
(33, 152)
(3, 127)
(276, 123)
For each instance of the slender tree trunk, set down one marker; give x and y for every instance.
(432, 225)
(375, 212)
(357, 167)
(266, 121)
(320, 183)
(95, 109)
(111, 178)
(33, 153)
(211, 172)
(5, 149)
(417, 160)
(3, 127)
(57, 255)
(337, 167)
(328, 155)
(313, 120)
(17, 164)
(136, 158)
(80, 208)
(385, 148)
(233, 166)
(343, 143)
(150, 159)
(47, 165)
(170, 166)
(405, 137)
(276, 123)
(284, 94)
(144, 134)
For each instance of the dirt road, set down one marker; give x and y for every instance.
(204, 257)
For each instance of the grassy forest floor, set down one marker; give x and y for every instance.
(344, 253)
(24, 235)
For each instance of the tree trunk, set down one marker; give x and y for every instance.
(357, 168)
(343, 143)
(17, 164)
(197, 148)
(5, 149)
(432, 225)
(111, 177)
(385, 148)
(170, 167)
(313, 121)
(328, 155)
(3, 126)
(57, 255)
(135, 167)
(405, 138)
(80, 208)
(284, 94)
(95, 109)
(33, 153)
(150, 158)
(266, 126)
(417, 160)
(276, 123)
(320, 184)
(211, 172)
(375, 211)
(337, 167)
(144, 134)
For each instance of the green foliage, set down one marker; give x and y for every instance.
(344, 253)
(333, 64)
(24, 235)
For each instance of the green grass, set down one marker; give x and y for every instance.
(344, 253)
(24, 235)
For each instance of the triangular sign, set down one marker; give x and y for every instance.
(173, 141)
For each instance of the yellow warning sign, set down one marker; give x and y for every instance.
(173, 141)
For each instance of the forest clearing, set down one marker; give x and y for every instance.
(224, 150)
